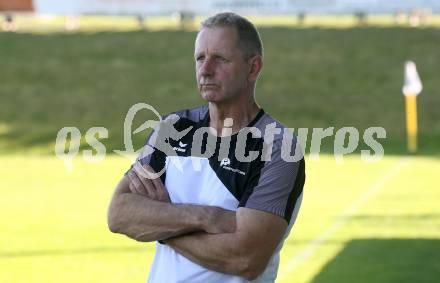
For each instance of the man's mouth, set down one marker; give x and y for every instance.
(209, 85)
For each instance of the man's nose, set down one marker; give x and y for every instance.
(207, 68)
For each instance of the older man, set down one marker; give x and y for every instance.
(229, 194)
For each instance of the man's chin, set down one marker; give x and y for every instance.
(211, 96)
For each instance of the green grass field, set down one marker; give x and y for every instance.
(313, 77)
(360, 222)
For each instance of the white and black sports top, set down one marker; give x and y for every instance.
(201, 170)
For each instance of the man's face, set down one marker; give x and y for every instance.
(221, 70)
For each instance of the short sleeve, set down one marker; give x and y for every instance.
(279, 185)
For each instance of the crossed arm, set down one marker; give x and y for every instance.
(239, 243)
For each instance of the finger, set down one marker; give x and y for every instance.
(160, 189)
(133, 178)
(132, 188)
(148, 170)
(158, 184)
(137, 186)
(134, 184)
(146, 184)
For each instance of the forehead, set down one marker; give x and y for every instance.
(216, 39)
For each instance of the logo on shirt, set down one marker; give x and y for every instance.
(225, 165)
(181, 147)
(225, 162)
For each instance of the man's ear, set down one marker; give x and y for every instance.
(256, 64)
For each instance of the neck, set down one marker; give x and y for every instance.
(241, 113)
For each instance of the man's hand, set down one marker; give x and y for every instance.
(141, 184)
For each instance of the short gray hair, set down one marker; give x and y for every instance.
(248, 36)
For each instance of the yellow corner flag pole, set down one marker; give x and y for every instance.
(411, 88)
(411, 122)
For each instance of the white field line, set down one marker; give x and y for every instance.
(290, 266)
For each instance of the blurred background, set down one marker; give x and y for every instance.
(328, 63)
